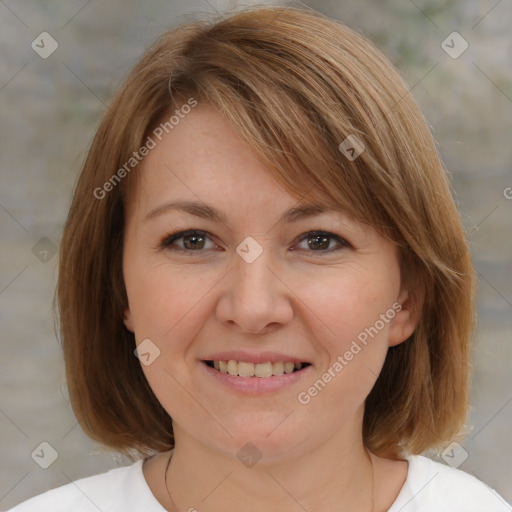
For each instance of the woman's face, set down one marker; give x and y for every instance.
(254, 287)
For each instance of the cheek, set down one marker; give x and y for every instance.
(356, 314)
(168, 307)
(163, 297)
(349, 305)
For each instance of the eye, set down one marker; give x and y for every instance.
(322, 240)
(193, 240)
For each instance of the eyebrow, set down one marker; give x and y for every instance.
(205, 211)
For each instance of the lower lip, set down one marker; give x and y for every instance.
(256, 385)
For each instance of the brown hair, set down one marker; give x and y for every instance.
(294, 85)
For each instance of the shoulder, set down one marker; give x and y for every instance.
(120, 489)
(432, 486)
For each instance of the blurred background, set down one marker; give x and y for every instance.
(55, 88)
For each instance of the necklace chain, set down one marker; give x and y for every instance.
(373, 478)
(174, 505)
(165, 479)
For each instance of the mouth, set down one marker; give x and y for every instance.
(259, 370)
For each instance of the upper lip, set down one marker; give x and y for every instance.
(253, 357)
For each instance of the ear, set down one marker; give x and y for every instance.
(407, 317)
(128, 319)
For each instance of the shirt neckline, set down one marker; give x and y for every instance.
(402, 497)
(148, 497)
(405, 494)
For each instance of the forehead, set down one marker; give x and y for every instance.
(203, 167)
(203, 157)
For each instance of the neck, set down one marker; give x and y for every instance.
(336, 476)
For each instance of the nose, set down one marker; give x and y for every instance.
(255, 296)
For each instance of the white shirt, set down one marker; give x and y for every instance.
(430, 487)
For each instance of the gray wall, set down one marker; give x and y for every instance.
(51, 107)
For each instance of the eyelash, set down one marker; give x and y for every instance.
(176, 235)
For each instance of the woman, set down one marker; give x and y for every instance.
(265, 292)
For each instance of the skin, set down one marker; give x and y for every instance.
(312, 304)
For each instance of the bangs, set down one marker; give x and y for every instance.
(294, 109)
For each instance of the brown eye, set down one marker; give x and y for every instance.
(320, 241)
(192, 241)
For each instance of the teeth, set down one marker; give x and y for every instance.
(232, 368)
(245, 369)
(278, 368)
(288, 367)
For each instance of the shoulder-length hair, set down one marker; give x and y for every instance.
(294, 85)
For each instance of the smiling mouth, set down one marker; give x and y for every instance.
(261, 370)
